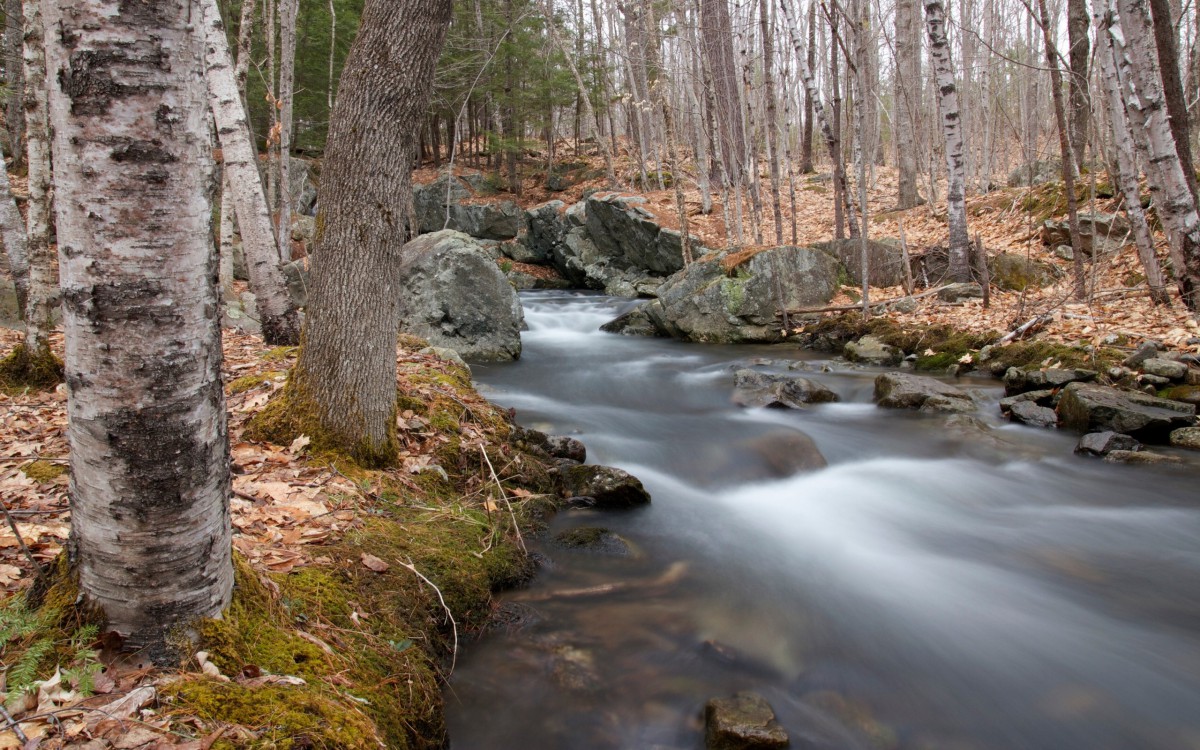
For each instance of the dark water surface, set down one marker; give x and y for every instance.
(933, 587)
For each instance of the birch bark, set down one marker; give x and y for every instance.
(12, 231)
(956, 205)
(1127, 171)
(280, 321)
(287, 83)
(1132, 41)
(43, 286)
(150, 531)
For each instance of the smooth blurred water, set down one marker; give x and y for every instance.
(936, 586)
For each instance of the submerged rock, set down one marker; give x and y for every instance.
(593, 539)
(1140, 457)
(455, 296)
(777, 391)
(1094, 408)
(744, 722)
(606, 486)
(898, 390)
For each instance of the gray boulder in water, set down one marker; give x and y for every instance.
(1094, 408)
(777, 391)
(707, 304)
(455, 296)
(898, 390)
(606, 486)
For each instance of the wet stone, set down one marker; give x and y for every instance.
(744, 722)
(1103, 443)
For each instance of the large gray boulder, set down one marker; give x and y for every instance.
(455, 296)
(899, 390)
(1036, 173)
(303, 175)
(628, 234)
(1085, 407)
(1098, 232)
(546, 228)
(296, 276)
(707, 304)
(447, 197)
(884, 258)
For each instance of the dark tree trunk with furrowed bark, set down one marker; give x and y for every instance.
(347, 367)
(150, 529)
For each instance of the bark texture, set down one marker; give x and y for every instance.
(1081, 106)
(12, 231)
(43, 286)
(1141, 80)
(908, 98)
(280, 321)
(150, 534)
(287, 84)
(14, 33)
(1127, 171)
(347, 366)
(716, 34)
(956, 205)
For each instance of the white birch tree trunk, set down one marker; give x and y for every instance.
(12, 231)
(1133, 42)
(1127, 171)
(287, 80)
(956, 205)
(240, 68)
(280, 321)
(150, 536)
(43, 286)
(810, 86)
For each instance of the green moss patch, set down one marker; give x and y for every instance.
(247, 382)
(948, 345)
(24, 369)
(44, 471)
(1035, 353)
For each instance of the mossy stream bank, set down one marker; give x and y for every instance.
(372, 626)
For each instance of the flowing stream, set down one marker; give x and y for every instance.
(936, 586)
